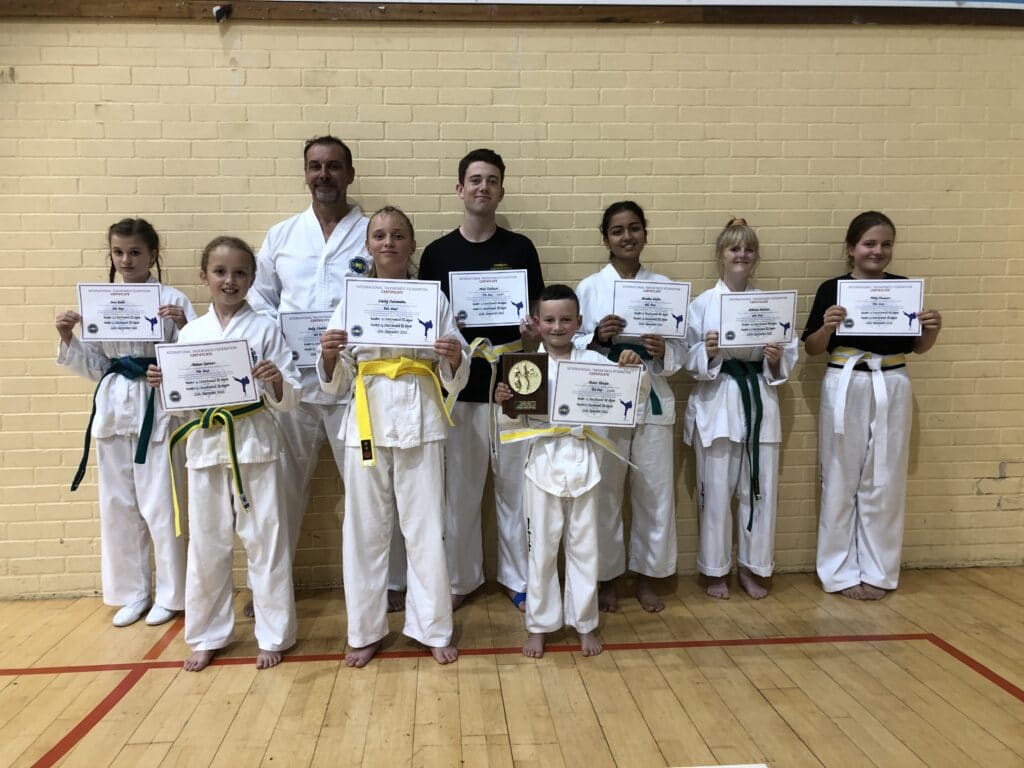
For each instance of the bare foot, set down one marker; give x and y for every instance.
(607, 599)
(590, 644)
(717, 587)
(645, 593)
(248, 610)
(396, 601)
(872, 592)
(534, 647)
(360, 657)
(198, 660)
(457, 601)
(751, 585)
(518, 599)
(445, 655)
(268, 659)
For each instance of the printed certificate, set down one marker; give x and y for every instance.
(391, 313)
(120, 311)
(657, 308)
(880, 307)
(206, 375)
(756, 318)
(596, 393)
(495, 297)
(302, 331)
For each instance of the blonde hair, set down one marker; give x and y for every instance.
(736, 232)
(390, 210)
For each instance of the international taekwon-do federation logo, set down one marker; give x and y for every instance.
(730, 335)
(359, 265)
(174, 396)
(563, 409)
(356, 330)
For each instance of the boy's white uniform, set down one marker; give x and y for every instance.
(135, 502)
(409, 430)
(299, 271)
(214, 515)
(653, 546)
(716, 427)
(561, 503)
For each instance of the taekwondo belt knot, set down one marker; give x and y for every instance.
(848, 358)
(130, 368)
(482, 348)
(392, 367)
(220, 416)
(745, 374)
(579, 431)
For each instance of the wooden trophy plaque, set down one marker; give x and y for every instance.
(526, 374)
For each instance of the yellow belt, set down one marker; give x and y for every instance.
(848, 357)
(481, 347)
(224, 416)
(392, 368)
(580, 432)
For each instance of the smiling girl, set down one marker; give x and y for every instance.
(866, 406)
(253, 458)
(394, 433)
(652, 537)
(134, 479)
(736, 446)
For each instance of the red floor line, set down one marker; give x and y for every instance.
(76, 734)
(978, 667)
(166, 639)
(504, 651)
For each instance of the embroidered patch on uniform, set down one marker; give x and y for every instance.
(358, 265)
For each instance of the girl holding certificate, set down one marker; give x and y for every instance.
(394, 433)
(652, 538)
(864, 425)
(131, 431)
(732, 421)
(236, 483)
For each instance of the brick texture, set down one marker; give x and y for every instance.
(198, 128)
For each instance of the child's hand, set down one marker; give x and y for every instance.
(450, 349)
(711, 344)
(65, 323)
(834, 315)
(930, 320)
(630, 357)
(772, 353)
(609, 327)
(331, 343)
(154, 376)
(502, 393)
(175, 313)
(270, 375)
(654, 344)
(529, 333)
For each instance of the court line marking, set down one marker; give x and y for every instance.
(136, 670)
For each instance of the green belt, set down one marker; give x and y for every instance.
(617, 349)
(130, 368)
(211, 417)
(745, 374)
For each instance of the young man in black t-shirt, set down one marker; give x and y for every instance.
(480, 244)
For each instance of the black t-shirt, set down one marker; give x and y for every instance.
(504, 250)
(826, 297)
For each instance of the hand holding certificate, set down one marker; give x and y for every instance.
(302, 332)
(120, 311)
(596, 393)
(880, 307)
(206, 375)
(392, 313)
(756, 318)
(651, 308)
(495, 297)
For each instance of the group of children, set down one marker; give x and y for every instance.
(395, 428)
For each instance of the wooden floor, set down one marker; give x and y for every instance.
(930, 676)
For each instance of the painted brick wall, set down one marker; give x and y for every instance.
(198, 128)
